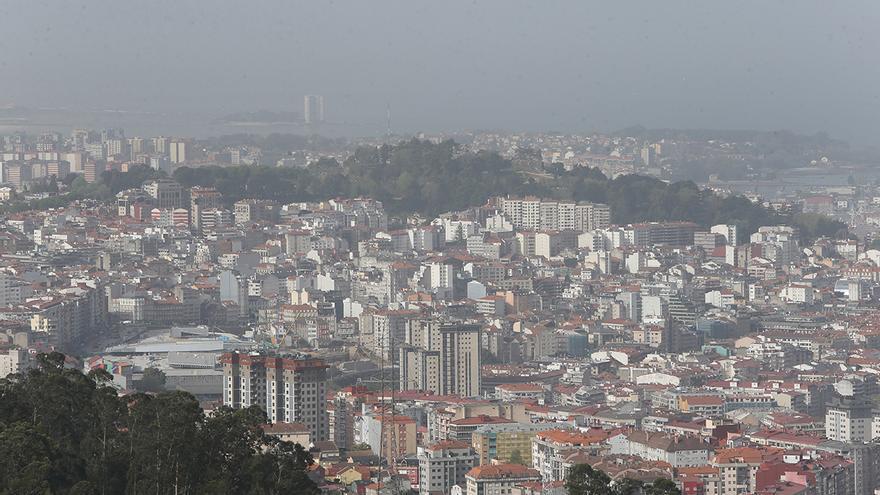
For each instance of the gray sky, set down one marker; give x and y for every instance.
(445, 65)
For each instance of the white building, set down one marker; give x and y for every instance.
(14, 361)
(849, 420)
(797, 294)
(728, 231)
(498, 479)
(674, 450)
(536, 214)
(444, 465)
(720, 298)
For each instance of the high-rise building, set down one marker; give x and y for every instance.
(59, 169)
(442, 358)
(92, 170)
(97, 151)
(289, 390)
(75, 159)
(115, 147)
(79, 138)
(177, 152)
(382, 332)
(391, 436)
(136, 147)
(728, 231)
(419, 369)
(16, 173)
(313, 109)
(166, 193)
(849, 420)
(202, 199)
(160, 145)
(444, 465)
(345, 406)
(460, 360)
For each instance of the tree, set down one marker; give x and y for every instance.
(662, 486)
(153, 381)
(582, 479)
(62, 431)
(627, 486)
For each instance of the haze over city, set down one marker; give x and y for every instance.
(572, 66)
(395, 247)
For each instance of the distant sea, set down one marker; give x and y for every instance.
(35, 121)
(790, 182)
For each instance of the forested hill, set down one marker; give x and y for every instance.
(63, 432)
(421, 176)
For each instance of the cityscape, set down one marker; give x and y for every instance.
(291, 301)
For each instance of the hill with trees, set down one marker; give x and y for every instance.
(430, 178)
(63, 432)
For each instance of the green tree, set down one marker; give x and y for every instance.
(582, 479)
(65, 432)
(153, 381)
(662, 486)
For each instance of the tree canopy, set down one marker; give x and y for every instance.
(583, 479)
(63, 432)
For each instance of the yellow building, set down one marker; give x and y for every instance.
(510, 442)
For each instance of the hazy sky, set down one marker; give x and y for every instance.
(442, 65)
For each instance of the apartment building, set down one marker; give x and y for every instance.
(444, 465)
(442, 358)
(549, 446)
(505, 442)
(849, 420)
(498, 479)
(538, 214)
(289, 390)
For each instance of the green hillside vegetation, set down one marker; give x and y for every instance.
(428, 178)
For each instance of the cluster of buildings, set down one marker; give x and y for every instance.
(31, 162)
(25, 162)
(488, 350)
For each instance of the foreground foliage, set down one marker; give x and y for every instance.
(63, 432)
